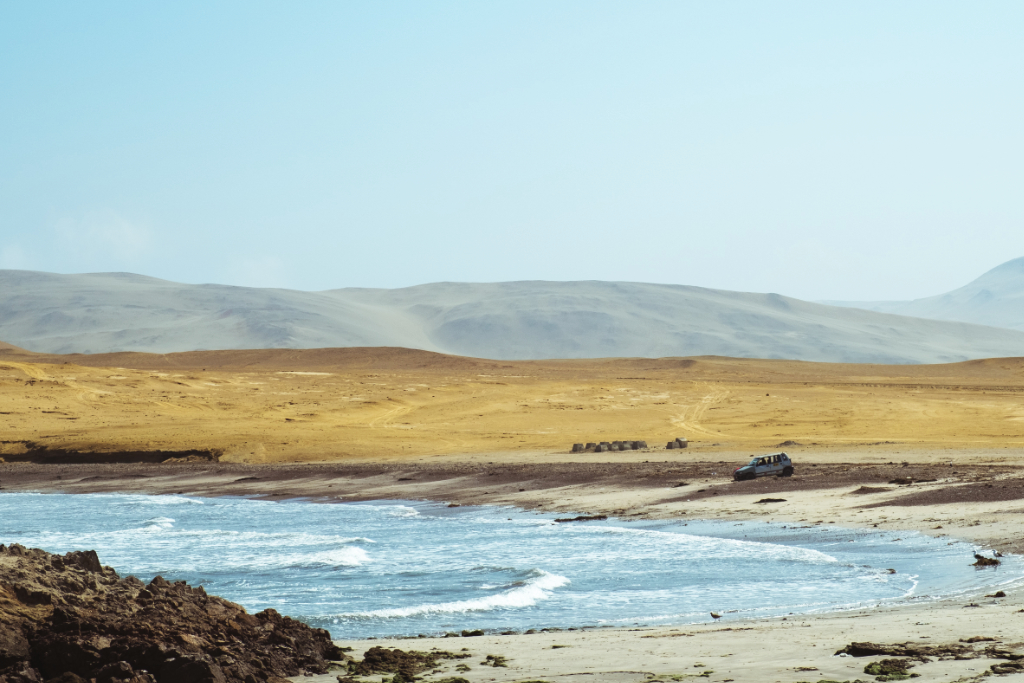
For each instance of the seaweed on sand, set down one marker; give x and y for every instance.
(891, 669)
(405, 665)
(495, 660)
(921, 653)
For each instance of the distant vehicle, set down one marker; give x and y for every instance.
(778, 464)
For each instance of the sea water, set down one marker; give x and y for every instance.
(407, 568)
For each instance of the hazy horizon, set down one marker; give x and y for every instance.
(849, 151)
(839, 302)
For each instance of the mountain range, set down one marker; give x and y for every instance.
(996, 298)
(103, 312)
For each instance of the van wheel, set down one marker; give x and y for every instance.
(788, 472)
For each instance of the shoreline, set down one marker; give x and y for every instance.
(787, 649)
(981, 503)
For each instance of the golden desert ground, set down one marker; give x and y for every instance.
(936, 449)
(358, 404)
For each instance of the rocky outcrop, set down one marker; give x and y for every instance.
(67, 618)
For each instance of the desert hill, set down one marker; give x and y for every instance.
(995, 299)
(108, 312)
(990, 372)
(11, 349)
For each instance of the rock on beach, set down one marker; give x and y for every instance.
(67, 617)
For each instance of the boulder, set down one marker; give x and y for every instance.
(67, 677)
(86, 560)
(14, 645)
(120, 672)
(190, 669)
(69, 619)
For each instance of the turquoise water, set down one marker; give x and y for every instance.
(406, 568)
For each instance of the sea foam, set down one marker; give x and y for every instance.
(382, 569)
(527, 594)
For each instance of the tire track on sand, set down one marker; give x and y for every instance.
(85, 393)
(692, 416)
(32, 371)
(385, 419)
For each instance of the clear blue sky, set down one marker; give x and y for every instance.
(857, 150)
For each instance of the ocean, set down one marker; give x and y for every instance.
(393, 568)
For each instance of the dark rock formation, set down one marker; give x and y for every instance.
(582, 518)
(70, 619)
(982, 561)
(870, 489)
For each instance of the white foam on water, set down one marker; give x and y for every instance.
(149, 500)
(528, 594)
(387, 510)
(245, 558)
(339, 557)
(719, 548)
(159, 524)
(437, 568)
(269, 539)
(400, 511)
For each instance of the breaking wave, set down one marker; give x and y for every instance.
(528, 593)
(405, 568)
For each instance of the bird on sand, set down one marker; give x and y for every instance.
(716, 615)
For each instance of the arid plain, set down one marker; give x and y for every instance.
(931, 448)
(374, 404)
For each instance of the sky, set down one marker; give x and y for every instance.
(841, 150)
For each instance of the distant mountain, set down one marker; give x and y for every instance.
(511, 320)
(996, 298)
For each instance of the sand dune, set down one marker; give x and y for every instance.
(996, 299)
(514, 320)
